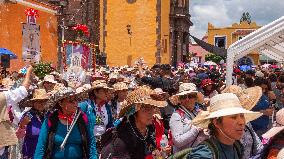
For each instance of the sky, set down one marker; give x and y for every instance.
(223, 13)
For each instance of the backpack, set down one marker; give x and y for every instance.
(212, 146)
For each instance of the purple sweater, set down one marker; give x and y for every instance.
(32, 133)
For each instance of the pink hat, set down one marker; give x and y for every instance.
(278, 127)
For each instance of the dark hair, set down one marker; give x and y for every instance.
(259, 81)
(211, 127)
(273, 77)
(249, 82)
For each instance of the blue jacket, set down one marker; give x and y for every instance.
(88, 107)
(262, 122)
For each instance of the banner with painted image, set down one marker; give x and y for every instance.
(78, 55)
(31, 43)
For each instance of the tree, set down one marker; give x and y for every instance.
(213, 57)
(246, 17)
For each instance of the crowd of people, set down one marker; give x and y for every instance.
(144, 113)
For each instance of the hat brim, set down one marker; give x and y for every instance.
(272, 132)
(255, 94)
(151, 102)
(203, 118)
(29, 103)
(175, 98)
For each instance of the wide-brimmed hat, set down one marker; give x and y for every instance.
(38, 95)
(119, 86)
(223, 105)
(62, 93)
(142, 95)
(277, 127)
(186, 88)
(83, 92)
(280, 155)
(248, 97)
(206, 82)
(100, 84)
(50, 79)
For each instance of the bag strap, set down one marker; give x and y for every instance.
(212, 146)
(253, 140)
(239, 147)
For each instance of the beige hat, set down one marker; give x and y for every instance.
(119, 86)
(38, 95)
(278, 125)
(49, 78)
(186, 88)
(100, 84)
(248, 97)
(223, 105)
(142, 95)
(259, 74)
(281, 154)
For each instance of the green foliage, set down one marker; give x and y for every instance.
(214, 58)
(42, 69)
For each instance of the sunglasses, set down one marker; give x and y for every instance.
(189, 96)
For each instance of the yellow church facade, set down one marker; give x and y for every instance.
(130, 29)
(225, 36)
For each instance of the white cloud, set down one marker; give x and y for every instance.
(225, 12)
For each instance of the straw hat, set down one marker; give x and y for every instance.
(281, 154)
(223, 105)
(100, 84)
(62, 93)
(119, 86)
(278, 125)
(38, 95)
(142, 95)
(49, 78)
(248, 97)
(186, 88)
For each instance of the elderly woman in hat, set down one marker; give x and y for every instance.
(226, 120)
(248, 99)
(184, 133)
(121, 90)
(275, 136)
(134, 137)
(80, 143)
(31, 122)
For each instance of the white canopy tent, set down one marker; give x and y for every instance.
(267, 40)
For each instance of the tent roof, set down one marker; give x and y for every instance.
(268, 40)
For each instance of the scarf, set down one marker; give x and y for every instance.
(69, 118)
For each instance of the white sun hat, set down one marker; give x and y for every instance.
(223, 105)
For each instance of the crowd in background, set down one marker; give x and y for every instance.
(143, 113)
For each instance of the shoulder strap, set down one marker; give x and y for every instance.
(253, 139)
(239, 147)
(212, 146)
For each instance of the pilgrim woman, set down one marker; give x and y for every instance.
(31, 122)
(226, 120)
(121, 91)
(98, 109)
(248, 98)
(81, 141)
(185, 134)
(135, 136)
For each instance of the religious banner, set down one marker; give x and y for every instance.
(75, 76)
(78, 55)
(31, 43)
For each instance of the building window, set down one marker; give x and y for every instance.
(220, 41)
(165, 45)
